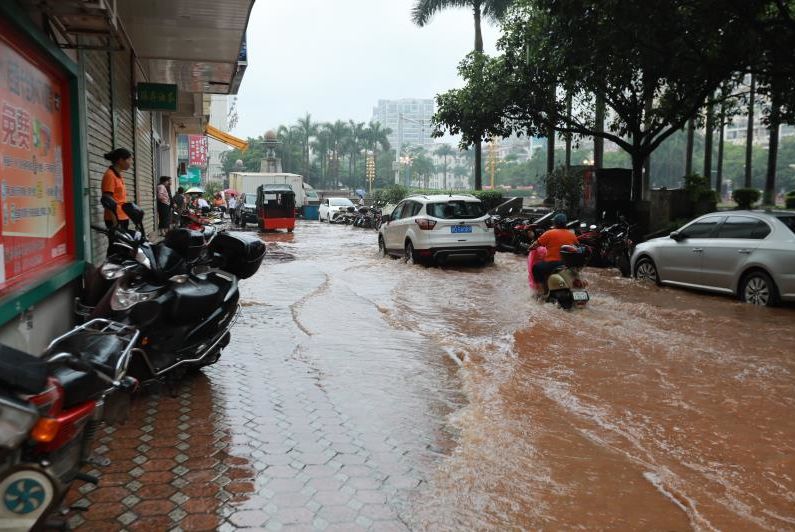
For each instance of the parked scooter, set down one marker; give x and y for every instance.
(563, 286)
(609, 246)
(50, 408)
(181, 293)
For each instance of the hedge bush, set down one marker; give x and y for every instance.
(789, 200)
(746, 197)
(395, 193)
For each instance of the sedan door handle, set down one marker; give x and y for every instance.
(698, 250)
(744, 251)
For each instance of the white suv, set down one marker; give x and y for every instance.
(431, 228)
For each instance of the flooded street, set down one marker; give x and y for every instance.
(362, 393)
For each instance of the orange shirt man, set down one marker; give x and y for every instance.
(113, 184)
(553, 240)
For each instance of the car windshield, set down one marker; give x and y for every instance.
(341, 202)
(788, 220)
(456, 210)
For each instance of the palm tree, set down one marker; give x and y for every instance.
(444, 151)
(337, 133)
(306, 129)
(321, 146)
(494, 9)
(355, 142)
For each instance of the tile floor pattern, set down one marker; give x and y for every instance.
(281, 458)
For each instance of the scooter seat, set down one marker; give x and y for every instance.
(78, 386)
(194, 300)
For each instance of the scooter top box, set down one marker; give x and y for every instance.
(242, 252)
(186, 242)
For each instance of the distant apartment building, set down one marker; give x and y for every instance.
(414, 128)
(219, 118)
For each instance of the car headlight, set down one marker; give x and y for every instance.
(111, 271)
(16, 420)
(124, 298)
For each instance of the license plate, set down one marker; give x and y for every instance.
(580, 296)
(461, 229)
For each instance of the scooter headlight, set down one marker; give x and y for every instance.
(111, 271)
(16, 420)
(124, 298)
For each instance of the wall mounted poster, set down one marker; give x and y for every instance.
(36, 211)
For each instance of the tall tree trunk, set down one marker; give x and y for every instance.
(638, 161)
(478, 169)
(445, 172)
(749, 135)
(691, 131)
(645, 189)
(568, 135)
(719, 178)
(599, 142)
(478, 144)
(772, 153)
(710, 125)
(478, 32)
(551, 140)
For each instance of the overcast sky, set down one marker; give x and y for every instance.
(336, 58)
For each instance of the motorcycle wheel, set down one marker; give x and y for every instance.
(562, 298)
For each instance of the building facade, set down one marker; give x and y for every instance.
(73, 86)
(219, 118)
(408, 118)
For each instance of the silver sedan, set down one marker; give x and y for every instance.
(749, 254)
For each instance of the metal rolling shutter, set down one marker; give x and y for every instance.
(123, 114)
(100, 137)
(144, 162)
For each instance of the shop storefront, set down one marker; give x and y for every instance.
(68, 95)
(42, 226)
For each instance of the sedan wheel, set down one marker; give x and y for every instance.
(645, 270)
(758, 289)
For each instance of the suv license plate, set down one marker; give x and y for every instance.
(580, 296)
(461, 229)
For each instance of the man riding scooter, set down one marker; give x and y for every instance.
(553, 240)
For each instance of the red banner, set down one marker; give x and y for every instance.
(36, 212)
(197, 150)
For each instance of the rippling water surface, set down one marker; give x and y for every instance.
(653, 408)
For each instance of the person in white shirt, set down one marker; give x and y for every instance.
(202, 203)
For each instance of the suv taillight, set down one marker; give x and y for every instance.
(425, 223)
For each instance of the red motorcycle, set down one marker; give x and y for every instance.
(50, 409)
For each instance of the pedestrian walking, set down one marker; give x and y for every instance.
(121, 160)
(164, 202)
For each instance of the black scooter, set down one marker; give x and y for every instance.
(181, 293)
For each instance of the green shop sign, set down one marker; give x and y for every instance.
(156, 96)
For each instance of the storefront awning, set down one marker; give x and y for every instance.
(226, 138)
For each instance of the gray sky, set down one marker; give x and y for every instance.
(336, 58)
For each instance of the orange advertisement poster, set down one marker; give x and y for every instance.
(35, 231)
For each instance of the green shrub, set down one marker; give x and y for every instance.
(395, 193)
(698, 189)
(746, 197)
(789, 200)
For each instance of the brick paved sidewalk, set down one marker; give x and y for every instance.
(267, 438)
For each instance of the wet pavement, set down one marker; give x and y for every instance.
(360, 393)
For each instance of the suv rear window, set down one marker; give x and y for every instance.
(788, 220)
(456, 210)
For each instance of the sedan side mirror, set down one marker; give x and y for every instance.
(676, 235)
(386, 217)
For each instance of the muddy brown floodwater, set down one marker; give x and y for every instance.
(475, 408)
